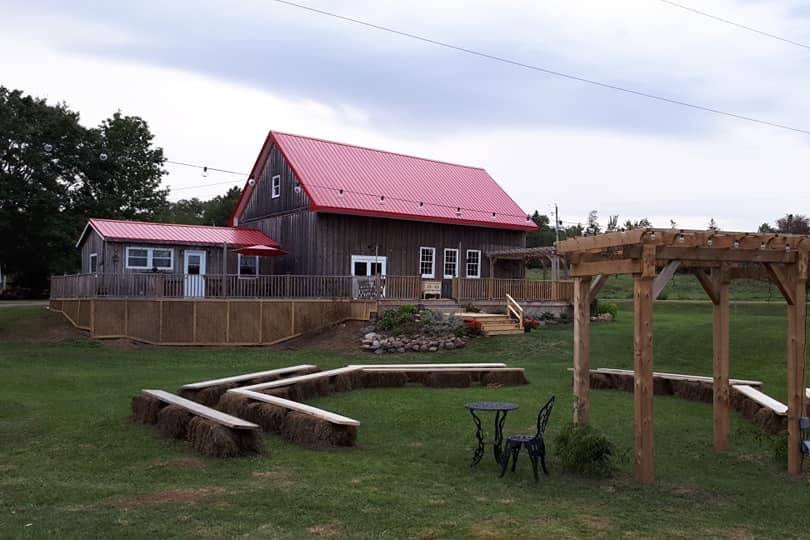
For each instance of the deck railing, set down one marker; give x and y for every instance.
(163, 285)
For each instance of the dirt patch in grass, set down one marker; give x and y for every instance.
(168, 496)
(344, 337)
(181, 463)
(276, 478)
(327, 530)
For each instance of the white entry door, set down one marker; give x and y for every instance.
(364, 268)
(194, 273)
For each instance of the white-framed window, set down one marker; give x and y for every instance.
(276, 186)
(143, 258)
(450, 263)
(248, 265)
(473, 263)
(427, 262)
(93, 263)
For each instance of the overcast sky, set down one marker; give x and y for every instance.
(212, 77)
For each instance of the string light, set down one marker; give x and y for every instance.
(48, 147)
(205, 172)
(103, 156)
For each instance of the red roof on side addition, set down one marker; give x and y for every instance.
(167, 233)
(342, 178)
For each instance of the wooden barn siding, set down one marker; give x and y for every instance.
(113, 255)
(261, 203)
(322, 244)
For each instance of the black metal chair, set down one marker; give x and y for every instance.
(534, 444)
(804, 431)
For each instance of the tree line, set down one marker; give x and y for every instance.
(55, 173)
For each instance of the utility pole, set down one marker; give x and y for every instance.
(555, 264)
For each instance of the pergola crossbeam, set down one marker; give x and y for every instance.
(663, 278)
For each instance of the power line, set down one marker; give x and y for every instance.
(738, 25)
(205, 167)
(540, 69)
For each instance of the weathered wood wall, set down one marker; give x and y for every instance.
(208, 321)
(261, 203)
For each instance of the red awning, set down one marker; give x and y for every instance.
(261, 251)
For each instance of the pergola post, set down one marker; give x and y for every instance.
(582, 352)
(643, 366)
(796, 349)
(721, 411)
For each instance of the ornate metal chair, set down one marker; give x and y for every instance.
(804, 430)
(534, 444)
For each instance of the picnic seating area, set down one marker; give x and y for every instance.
(225, 417)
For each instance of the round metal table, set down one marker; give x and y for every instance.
(501, 409)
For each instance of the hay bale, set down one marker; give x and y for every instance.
(693, 390)
(173, 422)
(145, 409)
(623, 381)
(770, 422)
(384, 379)
(342, 382)
(601, 381)
(418, 376)
(662, 386)
(260, 380)
(314, 432)
(448, 379)
(283, 392)
(270, 417)
(210, 396)
(306, 390)
(215, 440)
(234, 404)
(322, 386)
(189, 393)
(504, 377)
(305, 371)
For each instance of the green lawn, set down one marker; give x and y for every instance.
(71, 465)
(685, 287)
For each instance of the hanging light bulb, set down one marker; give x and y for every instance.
(458, 211)
(340, 193)
(382, 199)
(421, 204)
(493, 215)
(710, 242)
(736, 243)
(652, 236)
(205, 172)
(528, 217)
(762, 245)
(251, 181)
(48, 147)
(681, 237)
(297, 187)
(103, 156)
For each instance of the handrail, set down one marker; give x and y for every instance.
(514, 308)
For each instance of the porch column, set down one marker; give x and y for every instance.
(796, 350)
(721, 389)
(582, 361)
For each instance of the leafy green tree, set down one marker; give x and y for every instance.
(218, 210)
(544, 235)
(122, 172)
(42, 150)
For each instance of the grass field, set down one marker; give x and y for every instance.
(71, 465)
(686, 287)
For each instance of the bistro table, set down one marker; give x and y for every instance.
(501, 408)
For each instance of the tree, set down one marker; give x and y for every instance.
(793, 224)
(642, 223)
(613, 223)
(122, 172)
(55, 173)
(215, 211)
(219, 209)
(544, 235)
(593, 223)
(766, 228)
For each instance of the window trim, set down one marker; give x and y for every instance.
(432, 274)
(239, 266)
(90, 259)
(467, 264)
(149, 258)
(275, 187)
(444, 265)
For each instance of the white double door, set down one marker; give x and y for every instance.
(194, 273)
(364, 268)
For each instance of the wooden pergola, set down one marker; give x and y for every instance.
(653, 256)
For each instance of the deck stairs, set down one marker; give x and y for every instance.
(493, 324)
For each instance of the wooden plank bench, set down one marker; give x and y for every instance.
(299, 407)
(248, 376)
(765, 400)
(201, 410)
(426, 366)
(301, 378)
(675, 376)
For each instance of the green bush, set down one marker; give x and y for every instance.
(583, 450)
(607, 307)
(410, 320)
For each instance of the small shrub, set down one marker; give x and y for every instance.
(473, 328)
(529, 324)
(607, 307)
(469, 308)
(547, 316)
(402, 320)
(583, 450)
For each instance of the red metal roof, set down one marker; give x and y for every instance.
(342, 178)
(166, 233)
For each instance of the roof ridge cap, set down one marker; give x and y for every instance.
(228, 227)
